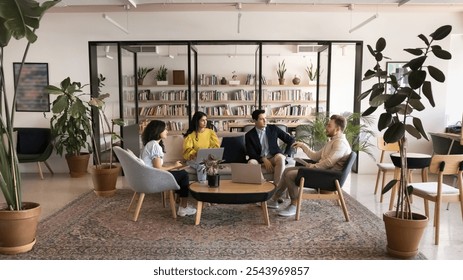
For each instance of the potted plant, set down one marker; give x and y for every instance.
(212, 166)
(312, 73)
(234, 79)
(71, 125)
(104, 174)
(281, 72)
(398, 118)
(161, 76)
(18, 219)
(141, 74)
(357, 132)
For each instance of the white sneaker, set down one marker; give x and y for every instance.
(187, 211)
(273, 204)
(289, 211)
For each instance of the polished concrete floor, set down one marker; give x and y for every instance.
(56, 191)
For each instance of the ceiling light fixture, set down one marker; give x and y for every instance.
(365, 22)
(403, 2)
(133, 3)
(106, 17)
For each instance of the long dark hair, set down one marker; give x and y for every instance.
(153, 132)
(194, 123)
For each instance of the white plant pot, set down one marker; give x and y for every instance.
(233, 83)
(161, 83)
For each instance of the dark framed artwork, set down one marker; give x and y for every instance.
(396, 68)
(31, 95)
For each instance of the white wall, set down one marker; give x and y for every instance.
(63, 43)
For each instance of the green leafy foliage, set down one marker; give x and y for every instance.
(70, 124)
(400, 105)
(18, 19)
(281, 69)
(161, 75)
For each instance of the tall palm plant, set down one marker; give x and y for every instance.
(18, 19)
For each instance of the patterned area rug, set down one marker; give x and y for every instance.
(98, 228)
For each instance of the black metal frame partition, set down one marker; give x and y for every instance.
(192, 66)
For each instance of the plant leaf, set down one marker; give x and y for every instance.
(394, 100)
(380, 44)
(385, 119)
(389, 185)
(372, 51)
(442, 54)
(415, 63)
(437, 74)
(425, 40)
(416, 51)
(416, 78)
(416, 104)
(369, 111)
(394, 133)
(412, 131)
(427, 91)
(441, 32)
(418, 125)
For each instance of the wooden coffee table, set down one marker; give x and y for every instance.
(232, 193)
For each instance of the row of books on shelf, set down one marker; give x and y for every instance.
(290, 110)
(170, 95)
(164, 110)
(217, 95)
(227, 110)
(287, 95)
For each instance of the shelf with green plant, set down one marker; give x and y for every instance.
(161, 76)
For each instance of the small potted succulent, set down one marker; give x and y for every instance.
(212, 170)
(312, 73)
(161, 76)
(141, 74)
(281, 72)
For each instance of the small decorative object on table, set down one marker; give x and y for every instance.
(212, 170)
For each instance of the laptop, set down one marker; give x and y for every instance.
(203, 154)
(247, 173)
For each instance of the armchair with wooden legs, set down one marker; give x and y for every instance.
(144, 179)
(439, 192)
(325, 184)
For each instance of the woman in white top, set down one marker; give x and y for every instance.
(153, 154)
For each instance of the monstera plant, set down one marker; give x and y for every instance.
(19, 19)
(399, 106)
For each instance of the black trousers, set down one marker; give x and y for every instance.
(181, 176)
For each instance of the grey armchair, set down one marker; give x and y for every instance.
(326, 183)
(144, 179)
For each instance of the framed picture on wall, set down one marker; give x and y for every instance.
(31, 94)
(396, 68)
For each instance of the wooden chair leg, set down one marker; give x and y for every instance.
(163, 198)
(134, 198)
(341, 199)
(199, 210)
(378, 175)
(40, 170)
(49, 168)
(265, 213)
(437, 221)
(172, 204)
(299, 199)
(383, 183)
(137, 210)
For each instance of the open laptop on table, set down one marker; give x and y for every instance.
(203, 154)
(247, 173)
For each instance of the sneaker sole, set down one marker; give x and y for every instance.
(286, 214)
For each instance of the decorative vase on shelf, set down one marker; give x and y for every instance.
(140, 81)
(161, 83)
(296, 80)
(223, 81)
(281, 81)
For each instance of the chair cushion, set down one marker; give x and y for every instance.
(32, 140)
(431, 188)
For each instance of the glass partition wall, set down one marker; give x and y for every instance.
(225, 79)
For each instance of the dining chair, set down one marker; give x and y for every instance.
(145, 179)
(384, 167)
(439, 192)
(326, 184)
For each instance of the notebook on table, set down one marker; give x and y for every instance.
(246, 173)
(203, 154)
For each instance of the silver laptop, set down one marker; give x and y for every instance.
(203, 154)
(246, 173)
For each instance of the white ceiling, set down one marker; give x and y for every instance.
(252, 5)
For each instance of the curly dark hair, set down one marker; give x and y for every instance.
(153, 132)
